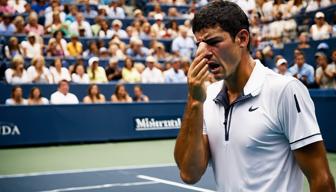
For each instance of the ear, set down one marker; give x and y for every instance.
(243, 38)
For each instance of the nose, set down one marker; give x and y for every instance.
(203, 47)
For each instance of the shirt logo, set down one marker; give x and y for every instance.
(253, 109)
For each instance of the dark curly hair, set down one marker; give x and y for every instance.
(225, 14)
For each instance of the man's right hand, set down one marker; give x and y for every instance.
(197, 74)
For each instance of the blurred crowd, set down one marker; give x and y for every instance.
(115, 30)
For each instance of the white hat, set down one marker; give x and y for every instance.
(150, 59)
(281, 61)
(117, 22)
(319, 15)
(31, 34)
(92, 60)
(103, 49)
(158, 17)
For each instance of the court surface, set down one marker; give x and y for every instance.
(139, 166)
(163, 178)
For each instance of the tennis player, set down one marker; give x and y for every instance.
(257, 128)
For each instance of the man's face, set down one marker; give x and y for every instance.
(322, 61)
(333, 56)
(223, 53)
(299, 60)
(64, 88)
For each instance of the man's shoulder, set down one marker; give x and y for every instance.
(277, 81)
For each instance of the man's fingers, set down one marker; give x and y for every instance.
(198, 59)
(196, 69)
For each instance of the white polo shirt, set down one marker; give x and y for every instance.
(59, 98)
(274, 116)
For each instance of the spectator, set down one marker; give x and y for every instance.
(151, 74)
(97, 26)
(267, 10)
(333, 57)
(317, 4)
(52, 50)
(54, 12)
(321, 29)
(116, 52)
(40, 7)
(136, 28)
(31, 48)
(71, 16)
(277, 28)
(19, 25)
(158, 28)
(279, 6)
(75, 47)
(173, 12)
(57, 24)
(113, 72)
(121, 45)
(325, 74)
(129, 72)
(173, 30)
(147, 32)
(156, 10)
(303, 41)
(159, 52)
(13, 48)
(33, 25)
(175, 74)
(247, 6)
(62, 95)
(80, 23)
(37, 72)
(120, 95)
(296, 6)
(35, 97)
(138, 15)
(79, 76)
(17, 74)
(96, 73)
(5, 8)
(88, 11)
(105, 31)
(6, 25)
(138, 94)
(104, 53)
(115, 11)
(18, 5)
(16, 97)
(136, 49)
(94, 95)
(183, 45)
(117, 30)
(61, 43)
(58, 72)
(282, 67)
(92, 50)
(302, 71)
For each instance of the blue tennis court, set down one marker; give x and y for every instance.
(162, 178)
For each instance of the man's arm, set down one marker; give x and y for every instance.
(192, 147)
(313, 162)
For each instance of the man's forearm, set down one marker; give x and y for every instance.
(191, 153)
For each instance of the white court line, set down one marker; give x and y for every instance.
(85, 170)
(174, 183)
(102, 186)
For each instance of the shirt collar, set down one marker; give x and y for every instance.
(251, 88)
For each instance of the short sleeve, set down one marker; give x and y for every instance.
(297, 116)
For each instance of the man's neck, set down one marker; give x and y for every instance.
(236, 83)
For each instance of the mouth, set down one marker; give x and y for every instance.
(214, 67)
